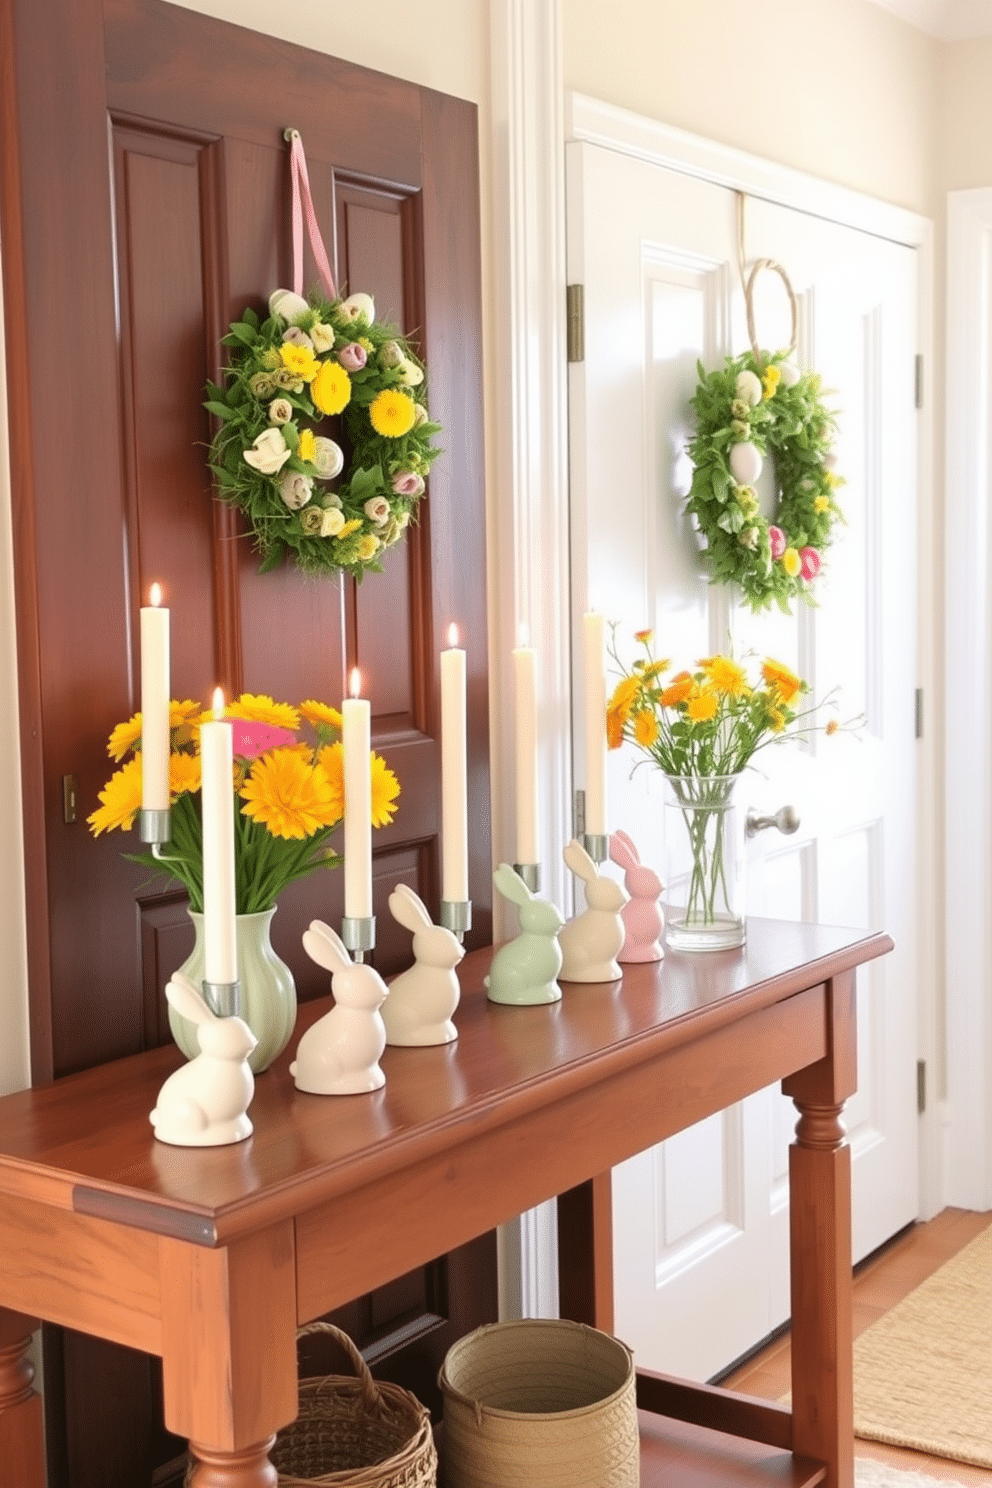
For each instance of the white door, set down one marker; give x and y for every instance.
(700, 1223)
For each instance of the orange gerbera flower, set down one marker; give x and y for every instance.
(645, 727)
(784, 682)
(678, 690)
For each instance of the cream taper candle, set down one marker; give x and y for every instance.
(454, 787)
(155, 704)
(356, 739)
(220, 947)
(525, 700)
(594, 671)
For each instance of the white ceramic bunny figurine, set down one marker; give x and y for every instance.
(592, 940)
(644, 922)
(422, 1000)
(340, 1054)
(205, 1103)
(525, 970)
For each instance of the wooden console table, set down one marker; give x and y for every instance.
(211, 1257)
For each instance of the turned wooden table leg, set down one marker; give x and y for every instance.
(820, 1248)
(229, 1352)
(22, 1427)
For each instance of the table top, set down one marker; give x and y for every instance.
(85, 1141)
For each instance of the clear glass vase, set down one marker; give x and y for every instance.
(705, 863)
(267, 990)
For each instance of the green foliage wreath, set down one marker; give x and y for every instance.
(747, 409)
(307, 361)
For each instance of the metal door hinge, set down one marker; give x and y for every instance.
(921, 1086)
(918, 375)
(575, 322)
(919, 713)
(70, 795)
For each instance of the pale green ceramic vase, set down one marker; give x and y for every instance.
(268, 992)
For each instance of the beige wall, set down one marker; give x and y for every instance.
(964, 130)
(836, 88)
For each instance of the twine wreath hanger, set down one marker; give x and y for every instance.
(760, 404)
(311, 359)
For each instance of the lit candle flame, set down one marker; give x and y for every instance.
(155, 595)
(452, 634)
(218, 703)
(355, 684)
(523, 634)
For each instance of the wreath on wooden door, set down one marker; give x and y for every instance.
(757, 405)
(307, 361)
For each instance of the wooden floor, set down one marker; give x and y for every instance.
(879, 1283)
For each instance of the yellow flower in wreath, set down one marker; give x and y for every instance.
(331, 388)
(392, 413)
(299, 360)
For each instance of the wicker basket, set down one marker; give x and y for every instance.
(358, 1433)
(539, 1404)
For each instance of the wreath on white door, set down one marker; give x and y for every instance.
(759, 405)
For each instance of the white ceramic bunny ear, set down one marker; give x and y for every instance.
(187, 999)
(325, 946)
(511, 885)
(579, 860)
(408, 909)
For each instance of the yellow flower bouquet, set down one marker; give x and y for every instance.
(707, 722)
(702, 728)
(288, 780)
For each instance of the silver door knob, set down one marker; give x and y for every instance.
(786, 819)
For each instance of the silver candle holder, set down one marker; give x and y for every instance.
(358, 935)
(456, 916)
(596, 845)
(223, 998)
(530, 873)
(155, 826)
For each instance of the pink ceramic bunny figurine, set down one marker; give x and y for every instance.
(643, 920)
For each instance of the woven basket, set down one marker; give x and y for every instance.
(541, 1403)
(358, 1433)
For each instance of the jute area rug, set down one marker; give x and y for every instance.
(923, 1372)
(880, 1475)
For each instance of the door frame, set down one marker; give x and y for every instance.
(967, 1105)
(533, 117)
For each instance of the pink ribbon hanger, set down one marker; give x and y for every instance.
(302, 199)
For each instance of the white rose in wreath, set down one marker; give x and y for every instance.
(287, 305)
(295, 489)
(280, 411)
(359, 305)
(322, 336)
(328, 458)
(268, 453)
(332, 521)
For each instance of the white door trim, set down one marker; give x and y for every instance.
(528, 513)
(968, 726)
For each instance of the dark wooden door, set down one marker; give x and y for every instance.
(145, 199)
